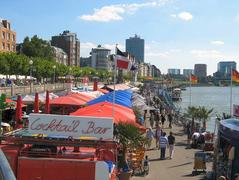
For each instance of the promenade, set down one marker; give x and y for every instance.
(178, 168)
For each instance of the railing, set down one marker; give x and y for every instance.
(13, 90)
(5, 169)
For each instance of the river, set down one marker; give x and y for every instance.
(217, 98)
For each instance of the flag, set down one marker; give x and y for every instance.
(193, 79)
(133, 68)
(119, 52)
(122, 62)
(235, 75)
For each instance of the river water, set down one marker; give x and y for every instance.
(217, 98)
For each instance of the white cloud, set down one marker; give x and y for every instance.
(116, 12)
(162, 55)
(210, 54)
(185, 16)
(218, 43)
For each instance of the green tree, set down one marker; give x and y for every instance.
(37, 47)
(204, 114)
(193, 113)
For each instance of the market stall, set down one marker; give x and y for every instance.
(226, 160)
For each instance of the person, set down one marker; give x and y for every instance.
(158, 133)
(3, 82)
(151, 119)
(236, 176)
(222, 178)
(171, 142)
(170, 119)
(150, 136)
(146, 165)
(163, 142)
(163, 118)
(195, 138)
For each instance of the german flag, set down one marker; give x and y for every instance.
(193, 79)
(235, 76)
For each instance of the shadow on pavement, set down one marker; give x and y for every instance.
(181, 165)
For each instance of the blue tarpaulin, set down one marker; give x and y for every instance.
(122, 97)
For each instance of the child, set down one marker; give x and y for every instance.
(146, 165)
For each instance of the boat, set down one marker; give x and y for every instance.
(176, 94)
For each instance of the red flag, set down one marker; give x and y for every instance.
(235, 75)
(36, 103)
(47, 103)
(193, 79)
(122, 62)
(18, 116)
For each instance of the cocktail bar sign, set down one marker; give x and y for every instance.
(70, 126)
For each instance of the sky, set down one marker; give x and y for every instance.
(177, 33)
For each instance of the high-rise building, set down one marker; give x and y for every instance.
(7, 37)
(200, 70)
(187, 72)
(100, 58)
(70, 44)
(174, 71)
(60, 55)
(224, 67)
(135, 46)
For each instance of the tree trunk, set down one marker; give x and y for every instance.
(192, 126)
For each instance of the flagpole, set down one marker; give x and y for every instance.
(190, 90)
(115, 71)
(231, 94)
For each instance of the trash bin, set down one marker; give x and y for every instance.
(199, 162)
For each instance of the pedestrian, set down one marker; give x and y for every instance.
(236, 176)
(151, 119)
(163, 119)
(158, 133)
(150, 136)
(170, 119)
(171, 142)
(146, 165)
(163, 143)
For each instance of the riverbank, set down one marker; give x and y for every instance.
(180, 167)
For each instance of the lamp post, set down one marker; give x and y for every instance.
(30, 63)
(54, 77)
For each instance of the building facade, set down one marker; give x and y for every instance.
(135, 46)
(7, 37)
(70, 44)
(200, 70)
(85, 61)
(188, 72)
(99, 58)
(174, 71)
(224, 67)
(59, 55)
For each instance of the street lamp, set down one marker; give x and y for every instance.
(30, 63)
(54, 77)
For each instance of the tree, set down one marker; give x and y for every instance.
(37, 47)
(204, 114)
(192, 112)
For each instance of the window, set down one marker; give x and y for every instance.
(3, 45)
(8, 47)
(8, 36)
(13, 37)
(3, 35)
(13, 47)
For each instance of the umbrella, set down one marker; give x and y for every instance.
(5, 124)
(95, 85)
(47, 104)
(18, 116)
(68, 101)
(36, 103)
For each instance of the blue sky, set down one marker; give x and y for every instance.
(177, 33)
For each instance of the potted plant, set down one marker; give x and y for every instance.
(129, 138)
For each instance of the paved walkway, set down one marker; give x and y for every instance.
(180, 167)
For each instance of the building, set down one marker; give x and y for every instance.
(188, 72)
(224, 67)
(99, 58)
(59, 55)
(7, 37)
(200, 70)
(155, 71)
(85, 61)
(135, 46)
(70, 44)
(174, 71)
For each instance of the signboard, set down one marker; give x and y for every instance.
(235, 110)
(70, 126)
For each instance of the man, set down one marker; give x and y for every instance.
(163, 143)
(171, 142)
(236, 176)
(157, 134)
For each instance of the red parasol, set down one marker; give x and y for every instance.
(36, 103)
(95, 87)
(18, 116)
(47, 103)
